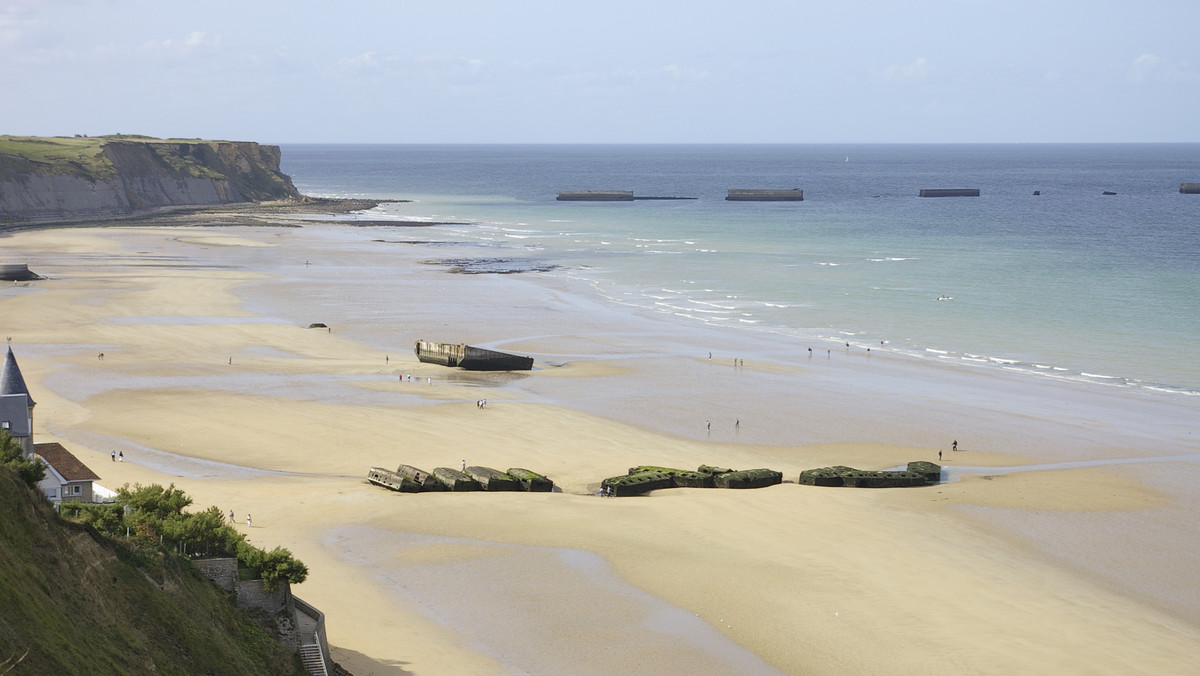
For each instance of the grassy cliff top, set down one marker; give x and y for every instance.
(83, 152)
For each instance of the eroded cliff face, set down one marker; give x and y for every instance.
(134, 176)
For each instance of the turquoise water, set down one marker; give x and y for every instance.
(1070, 284)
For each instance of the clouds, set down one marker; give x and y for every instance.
(176, 48)
(539, 71)
(918, 69)
(1149, 68)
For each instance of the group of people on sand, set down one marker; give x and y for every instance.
(953, 447)
(249, 521)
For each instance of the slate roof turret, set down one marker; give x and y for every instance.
(11, 381)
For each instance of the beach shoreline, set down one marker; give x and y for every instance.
(275, 213)
(206, 327)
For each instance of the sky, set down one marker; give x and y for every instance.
(516, 71)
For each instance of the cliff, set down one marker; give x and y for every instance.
(69, 179)
(72, 602)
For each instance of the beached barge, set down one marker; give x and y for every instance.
(17, 272)
(754, 195)
(471, 358)
(949, 192)
(595, 195)
(1189, 188)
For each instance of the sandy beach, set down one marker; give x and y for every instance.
(1067, 542)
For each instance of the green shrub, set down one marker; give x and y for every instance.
(31, 470)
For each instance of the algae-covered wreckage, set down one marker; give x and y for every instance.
(409, 479)
(645, 478)
(470, 357)
(917, 473)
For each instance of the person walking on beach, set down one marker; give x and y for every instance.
(121, 456)
(113, 455)
(954, 445)
(464, 464)
(939, 455)
(231, 519)
(249, 521)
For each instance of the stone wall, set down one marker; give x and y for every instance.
(277, 605)
(222, 571)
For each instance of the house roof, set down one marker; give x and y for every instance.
(11, 381)
(67, 465)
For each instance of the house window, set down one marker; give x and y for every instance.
(78, 489)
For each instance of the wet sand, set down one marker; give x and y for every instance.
(212, 380)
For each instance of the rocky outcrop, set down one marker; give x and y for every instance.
(126, 177)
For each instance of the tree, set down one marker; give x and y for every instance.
(154, 500)
(109, 519)
(278, 566)
(31, 470)
(202, 532)
(153, 518)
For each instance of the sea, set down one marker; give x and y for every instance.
(1076, 262)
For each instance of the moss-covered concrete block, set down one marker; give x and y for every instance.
(531, 481)
(637, 484)
(748, 478)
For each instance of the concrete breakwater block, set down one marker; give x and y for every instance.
(531, 481)
(681, 478)
(455, 480)
(949, 192)
(17, 272)
(406, 479)
(645, 478)
(420, 478)
(409, 479)
(748, 478)
(918, 473)
(492, 479)
(637, 484)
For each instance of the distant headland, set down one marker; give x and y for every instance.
(70, 179)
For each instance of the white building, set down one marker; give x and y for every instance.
(67, 478)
